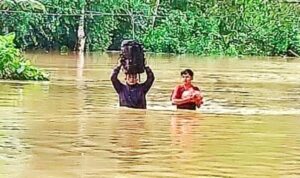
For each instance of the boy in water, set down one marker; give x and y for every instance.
(132, 94)
(187, 96)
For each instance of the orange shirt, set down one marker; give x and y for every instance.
(177, 94)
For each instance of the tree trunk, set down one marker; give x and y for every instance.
(155, 13)
(80, 33)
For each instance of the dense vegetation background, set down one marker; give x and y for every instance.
(13, 65)
(205, 27)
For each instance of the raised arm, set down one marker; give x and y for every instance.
(150, 79)
(114, 78)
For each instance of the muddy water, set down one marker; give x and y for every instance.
(72, 126)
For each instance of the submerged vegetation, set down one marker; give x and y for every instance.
(206, 27)
(13, 65)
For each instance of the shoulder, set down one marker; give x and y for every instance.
(178, 87)
(196, 88)
(178, 90)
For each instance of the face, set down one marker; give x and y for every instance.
(131, 79)
(186, 78)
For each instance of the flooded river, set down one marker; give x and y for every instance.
(72, 127)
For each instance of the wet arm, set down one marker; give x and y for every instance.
(114, 78)
(198, 98)
(199, 102)
(150, 79)
(179, 101)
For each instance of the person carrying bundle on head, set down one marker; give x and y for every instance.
(132, 94)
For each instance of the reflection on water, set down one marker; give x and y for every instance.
(72, 126)
(182, 128)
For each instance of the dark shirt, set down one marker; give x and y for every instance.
(132, 96)
(178, 95)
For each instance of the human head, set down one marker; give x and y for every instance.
(187, 76)
(131, 79)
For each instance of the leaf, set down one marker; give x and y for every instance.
(21, 69)
(10, 37)
(6, 4)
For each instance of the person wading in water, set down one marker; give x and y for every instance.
(186, 95)
(132, 94)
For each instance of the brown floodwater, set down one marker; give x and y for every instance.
(71, 126)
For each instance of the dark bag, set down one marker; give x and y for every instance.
(132, 57)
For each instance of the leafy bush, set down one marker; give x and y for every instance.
(256, 27)
(13, 65)
(227, 28)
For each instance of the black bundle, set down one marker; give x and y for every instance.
(132, 57)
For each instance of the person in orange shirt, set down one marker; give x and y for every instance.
(186, 95)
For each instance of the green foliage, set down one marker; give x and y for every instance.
(13, 65)
(22, 5)
(184, 33)
(227, 28)
(98, 28)
(205, 27)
